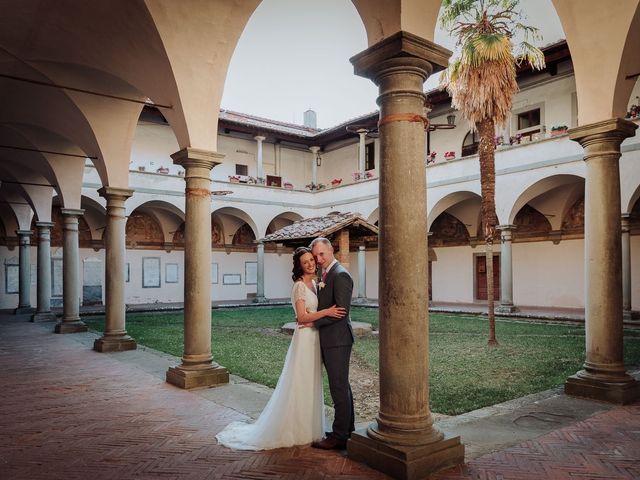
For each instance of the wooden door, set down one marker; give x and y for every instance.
(481, 277)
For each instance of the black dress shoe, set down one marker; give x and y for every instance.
(330, 443)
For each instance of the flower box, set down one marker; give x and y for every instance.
(234, 179)
(162, 170)
(142, 168)
(288, 186)
(559, 130)
(449, 155)
(335, 182)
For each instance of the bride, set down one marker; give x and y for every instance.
(295, 413)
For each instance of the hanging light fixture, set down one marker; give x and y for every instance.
(318, 159)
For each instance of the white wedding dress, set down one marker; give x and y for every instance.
(295, 413)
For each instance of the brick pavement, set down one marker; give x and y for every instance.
(71, 413)
(605, 446)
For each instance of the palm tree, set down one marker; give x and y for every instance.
(482, 83)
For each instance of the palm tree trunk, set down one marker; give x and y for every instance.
(486, 131)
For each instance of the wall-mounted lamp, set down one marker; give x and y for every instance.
(451, 119)
(318, 159)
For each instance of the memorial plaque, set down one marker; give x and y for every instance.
(92, 281)
(231, 279)
(92, 272)
(171, 273)
(250, 273)
(12, 274)
(214, 273)
(151, 272)
(56, 277)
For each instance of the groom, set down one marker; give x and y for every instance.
(336, 340)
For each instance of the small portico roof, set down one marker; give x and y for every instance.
(303, 231)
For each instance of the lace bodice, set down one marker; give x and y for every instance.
(301, 291)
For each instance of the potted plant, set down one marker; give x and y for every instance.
(449, 155)
(335, 182)
(142, 168)
(431, 158)
(558, 130)
(288, 185)
(163, 170)
(234, 178)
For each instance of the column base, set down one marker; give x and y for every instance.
(406, 463)
(627, 316)
(260, 300)
(77, 326)
(360, 300)
(621, 393)
(23, 310)
(43, 317)
(507, 308)
(188, 378)
(114, 344)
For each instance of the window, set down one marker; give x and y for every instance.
(470, 144)
(528, 124)
(370, 156)
(242, 169)
(529, 119)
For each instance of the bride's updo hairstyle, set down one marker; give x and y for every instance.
(297, 268)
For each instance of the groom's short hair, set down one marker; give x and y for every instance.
(318, 240)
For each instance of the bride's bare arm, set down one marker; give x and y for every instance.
(302, 316)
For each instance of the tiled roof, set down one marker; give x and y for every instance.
(266, 124)
(319, 227)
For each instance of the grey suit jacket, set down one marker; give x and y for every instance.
(337, 291)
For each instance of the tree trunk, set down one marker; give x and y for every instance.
(486, 153)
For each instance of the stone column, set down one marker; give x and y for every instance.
(506, 270)
(314, 165)
(362, 272)
(604, 377)
(260, 264)
(402, 441)
(43, 311)
(259, 163)
(70, 322)
(115, 338)
(626, 266)
(24, 275)
(361, 152)
(197, 368)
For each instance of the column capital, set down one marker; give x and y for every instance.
(314, 149)
(362, 248)
(506, 227)
(400, 49)
(259, 138)
(45, 224)
(111, 192)
(23, 233)
(612, 130)
(72, 212)
(625, 222)
(193, 157)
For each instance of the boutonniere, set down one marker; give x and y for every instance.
(320, 285)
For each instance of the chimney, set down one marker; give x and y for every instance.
(310, 119)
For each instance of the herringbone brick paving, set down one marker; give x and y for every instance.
(605, 446)
(71, 413)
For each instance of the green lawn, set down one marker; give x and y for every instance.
(465, 373)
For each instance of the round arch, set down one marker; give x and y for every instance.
(553, 196)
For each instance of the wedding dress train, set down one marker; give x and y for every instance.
(295, 413)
